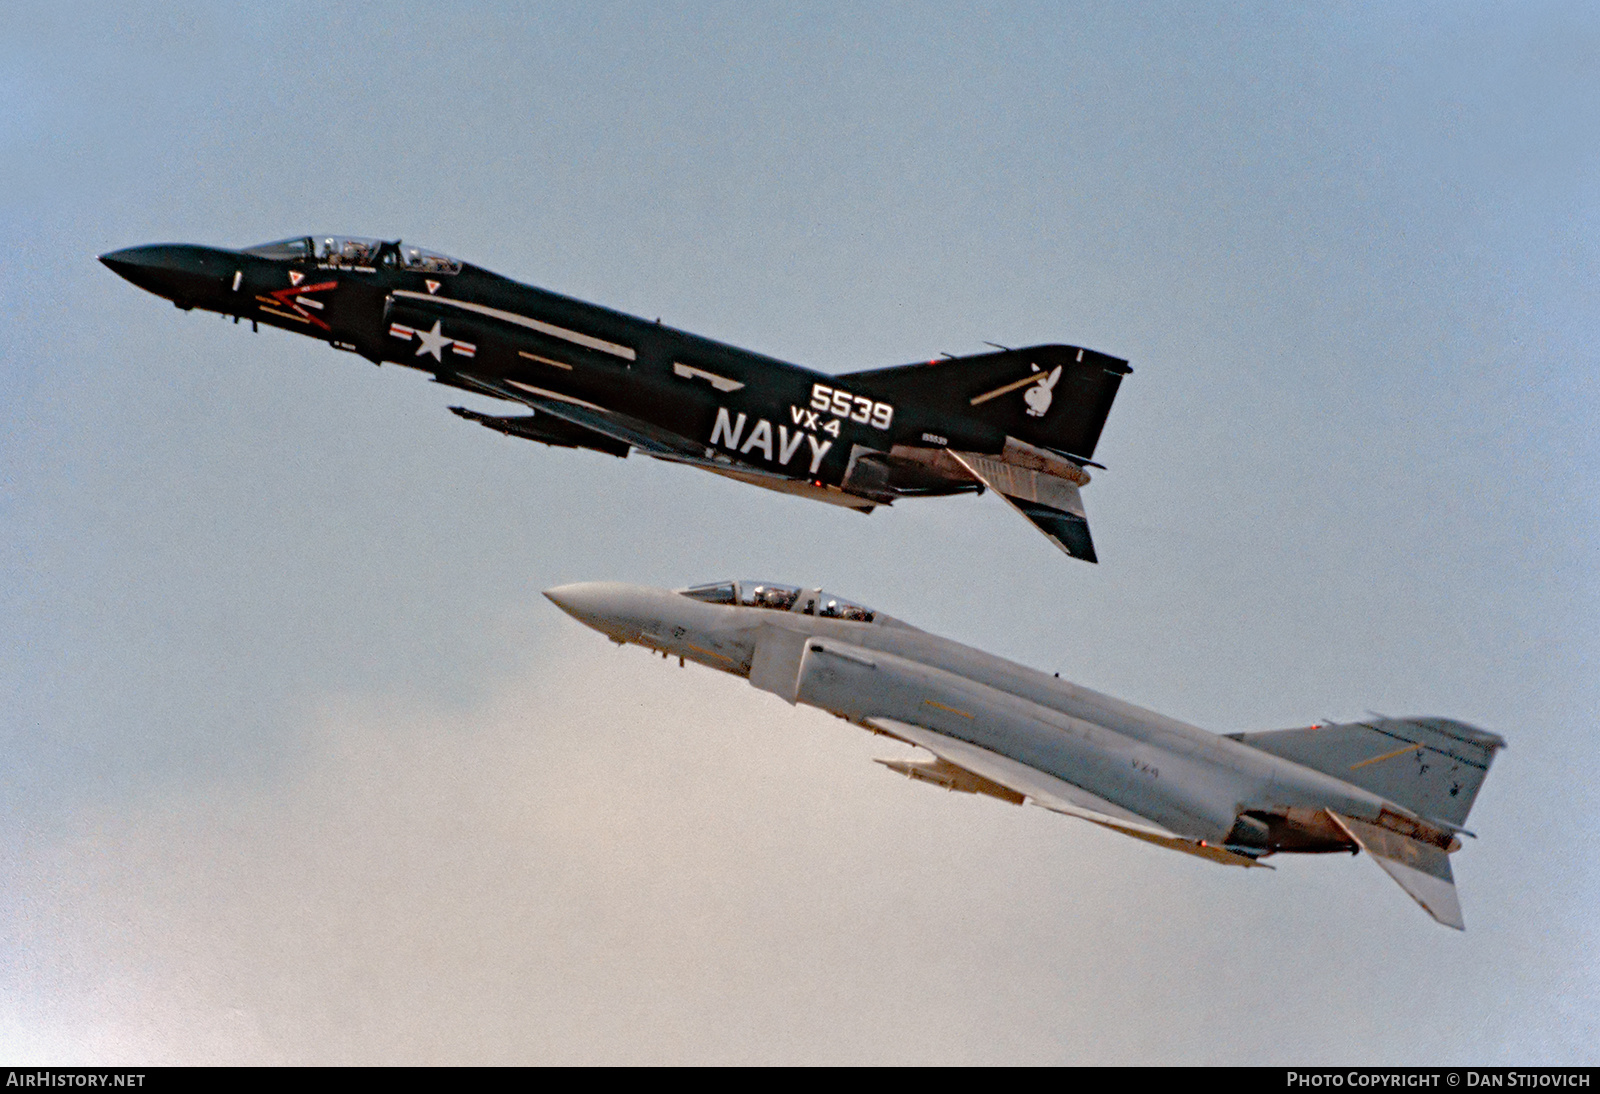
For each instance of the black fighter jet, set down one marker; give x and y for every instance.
(1022, 422)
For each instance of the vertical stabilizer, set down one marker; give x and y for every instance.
(1432, 766)
(1054, 396)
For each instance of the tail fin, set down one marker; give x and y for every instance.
(1432, 766)
(1053, 396)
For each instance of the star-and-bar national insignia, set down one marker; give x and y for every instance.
(433, 341)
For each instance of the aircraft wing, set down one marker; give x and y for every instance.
(579, 423)
(718, 464)
(1053, 504)
(618, 428)
(1052, 793)
(546, 429)
(592, 426)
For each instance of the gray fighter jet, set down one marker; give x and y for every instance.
(1398, 788)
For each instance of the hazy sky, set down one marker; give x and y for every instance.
(300, 767)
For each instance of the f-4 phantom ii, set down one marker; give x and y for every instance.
(1398, 788)
(1023, 422)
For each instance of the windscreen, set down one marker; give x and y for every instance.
(351, 251)
(781, 598)
(725, 593)
(283, 250)
(355, 252)
(415, 258)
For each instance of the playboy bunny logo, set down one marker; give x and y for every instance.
(1040, 394)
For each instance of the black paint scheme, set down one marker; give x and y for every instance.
(589, 377)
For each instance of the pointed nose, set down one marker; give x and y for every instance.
(124, 261)
(586, 601)
(141, 265)
(180, 272)
(616, 610)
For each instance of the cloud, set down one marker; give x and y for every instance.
(609, 861)
(612, 860)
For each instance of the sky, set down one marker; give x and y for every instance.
(301, 768)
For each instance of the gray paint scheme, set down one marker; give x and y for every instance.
(1431, 765)
(1397, 788)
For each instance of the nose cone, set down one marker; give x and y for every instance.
(180, 272)
(594, 603)
(616, 610)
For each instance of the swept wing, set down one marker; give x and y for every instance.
(1054, 794)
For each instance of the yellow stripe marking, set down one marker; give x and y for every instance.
(999, 391)
(1387, 756)
(710, 653)
(285, 315)
(941, 706)
(543, 360)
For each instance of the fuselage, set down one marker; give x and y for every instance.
(481, 332)
(1193, 782)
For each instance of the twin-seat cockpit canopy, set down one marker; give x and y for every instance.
(783, 598)
(353, 252)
